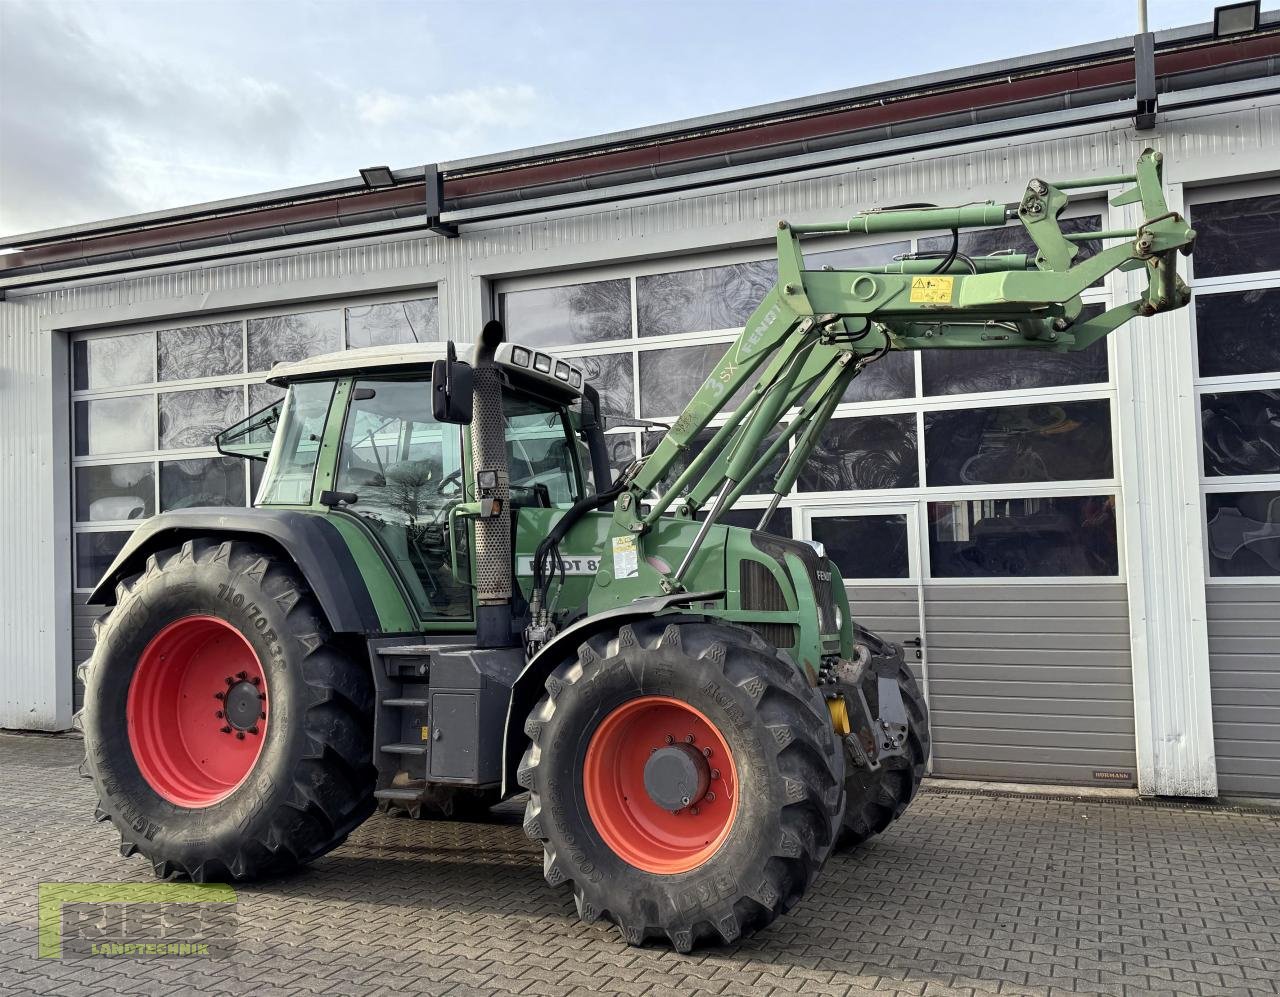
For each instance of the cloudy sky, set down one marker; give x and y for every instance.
(111, 108)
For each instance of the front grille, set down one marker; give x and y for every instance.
(762, 593)
(778, 547)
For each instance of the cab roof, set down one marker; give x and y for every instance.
(533, 370)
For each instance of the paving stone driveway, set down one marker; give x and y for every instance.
(967, 893)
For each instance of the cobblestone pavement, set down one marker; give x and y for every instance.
(968, 893)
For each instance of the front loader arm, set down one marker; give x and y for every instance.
(816, 330)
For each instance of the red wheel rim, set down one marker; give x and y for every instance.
(197, 711)
(640, 831)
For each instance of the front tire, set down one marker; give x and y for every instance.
(227, 735)
(659, 713)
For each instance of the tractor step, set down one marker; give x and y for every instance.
(418, 703)
(399, 795)
(404, 749)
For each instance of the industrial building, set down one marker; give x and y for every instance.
(1082, 551)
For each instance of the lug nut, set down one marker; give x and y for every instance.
(670, 739)
(229, 680)
(710, 797)
(226, 730)
(242, 675)
(256, 681)
(218, 714)
(715, 773)
(706, 752)
(253, 729)
(262, 716)
(239, 735)
(688, 739)
(684, 800)
(219, 696)
(694, 811)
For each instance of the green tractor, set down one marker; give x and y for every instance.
(443, 597)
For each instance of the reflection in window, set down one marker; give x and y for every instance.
(854, 256)
(1024, 537)
(393, 322)
(190, 419)
(1237, 236)
(200, 351)
(702, 300)
(865, 545)
(185, 484)
(875, 451)
(611, 375)
(621, 448)
(1244, 534)
(1015, 239)
(1241, 432)
(1005, 444)
(1238, 333)
(593, 312)
(262, 395)
(749, 519)
(893, 376)
(113, 361)
(285, 338)
(94, 554)
(669, 378)
(958, 372)
(540, 452)
(115, 425)
(762, 484)
(115, 491)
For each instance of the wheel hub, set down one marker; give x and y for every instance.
(676, 776)
(242, 704)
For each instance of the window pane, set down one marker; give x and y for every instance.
(1023, 537)
(894, 376)
(115, 491)
(1005, 444)
(762, 484)
(669, 378)
(206, 481)
(1014, 238)
(749, 519)
(1237, 236)
(865, 546)
(855, 256)
(290, 472)
(115, 425)
(702, 300)
(1238, 333)
(387, 324)
(1244, 533)
(262, 395)
(94, 554)
(284, 338)
(200, 351)
(875, 451)
(564, 316)
(622, 451)
(958, 372)
(191, 418)
(1241, 432)
(611, 374)
(113, 361)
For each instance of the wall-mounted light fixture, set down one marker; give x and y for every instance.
(375, 177)
(1236, 18)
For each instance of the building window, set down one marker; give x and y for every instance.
(145, 406)
(866, 545)
(593, 312)
(1023, 537)
(1237, 328)
(1007, 444)
(871, 453)
(702, 300)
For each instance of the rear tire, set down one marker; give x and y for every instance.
(236, 795)
(876, 799)
(719, 867)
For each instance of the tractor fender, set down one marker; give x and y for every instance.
(530, 683)
(313, 544)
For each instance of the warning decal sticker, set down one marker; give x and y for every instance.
(625, 562)
(932, 290)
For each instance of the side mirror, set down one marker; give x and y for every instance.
(451, 390)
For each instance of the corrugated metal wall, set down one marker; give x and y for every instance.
(1244, 670)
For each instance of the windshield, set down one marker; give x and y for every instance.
(291, 467)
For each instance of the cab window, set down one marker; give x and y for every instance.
(543, 457)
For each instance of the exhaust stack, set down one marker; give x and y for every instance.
(491, 480)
